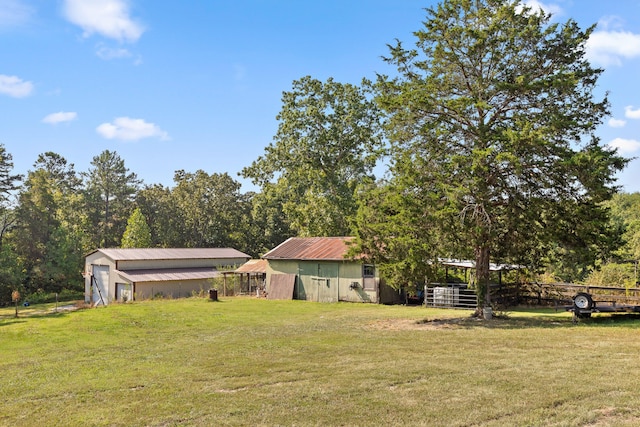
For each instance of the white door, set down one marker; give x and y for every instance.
(123, 292)
(100, 285)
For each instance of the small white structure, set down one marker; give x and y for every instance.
(131, 274)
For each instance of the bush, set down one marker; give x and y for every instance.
(612, 274)
(41, 297)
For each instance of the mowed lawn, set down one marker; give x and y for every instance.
(247, 361)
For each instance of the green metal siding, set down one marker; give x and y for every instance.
(331, 281)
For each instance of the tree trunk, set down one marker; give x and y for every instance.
(482, 277)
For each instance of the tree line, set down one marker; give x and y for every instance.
(485, 134)
(55, 215)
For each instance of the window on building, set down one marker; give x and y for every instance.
(368, 270)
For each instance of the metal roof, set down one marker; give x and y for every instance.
(311, 248)
(168, 274)
(143, 254)
(255, 266)
(461, 263)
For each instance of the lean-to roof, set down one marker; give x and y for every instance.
(255, 266)
(168, 274)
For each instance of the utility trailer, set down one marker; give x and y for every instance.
(584, 305)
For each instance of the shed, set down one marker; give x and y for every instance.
(133, 274)
(255, 271)
(323, 271)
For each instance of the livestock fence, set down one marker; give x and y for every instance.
(504, 295)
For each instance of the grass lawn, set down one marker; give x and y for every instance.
(246, 361)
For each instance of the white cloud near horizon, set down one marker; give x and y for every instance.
(617, 123)
(14, 13)
(109, 18)
(611, 47)
(630, 113)
(60, 117)
(128, 129)
(14, 86)
(625, 146)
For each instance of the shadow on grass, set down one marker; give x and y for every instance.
(32, 315)
(6, 321)
(37, 312)
(541, 321)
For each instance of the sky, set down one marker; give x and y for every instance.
(187, 85)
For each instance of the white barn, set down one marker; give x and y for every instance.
(133, 274)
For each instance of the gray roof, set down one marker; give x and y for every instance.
(167, 274)
(139, 254)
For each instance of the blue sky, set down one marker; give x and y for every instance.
(197, 84)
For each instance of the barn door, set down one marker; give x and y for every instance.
(100, 285)
(327, 282)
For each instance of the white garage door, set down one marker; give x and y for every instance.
(100, 285)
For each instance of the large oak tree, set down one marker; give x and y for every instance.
(327, 142)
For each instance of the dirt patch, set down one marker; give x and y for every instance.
(615, 417)
(425, 324)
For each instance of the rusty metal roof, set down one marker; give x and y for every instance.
(311, 248)
(168, 274)
(143, 254)
(255, 266)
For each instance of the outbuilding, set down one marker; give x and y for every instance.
(133, 274)
(321, 269)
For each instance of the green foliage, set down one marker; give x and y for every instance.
(109, 191)
(327, 141)
(613, 275)
(8, 182)
(395, 232)
(625, 214)
(42, 297)
(49, 226)
(11, 275)
(211, 211)
(267, 222)
(491, 120)
(137, 234)
(162, 215)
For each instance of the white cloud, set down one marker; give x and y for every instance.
(630, 113)
(60, 117)
(107, 53)
(547, 8)
(128, 129)
(15, 86)
(610, 47)
(625, 146)
(109, 18)
(14, 13)
(610, 22)
(617, 123)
